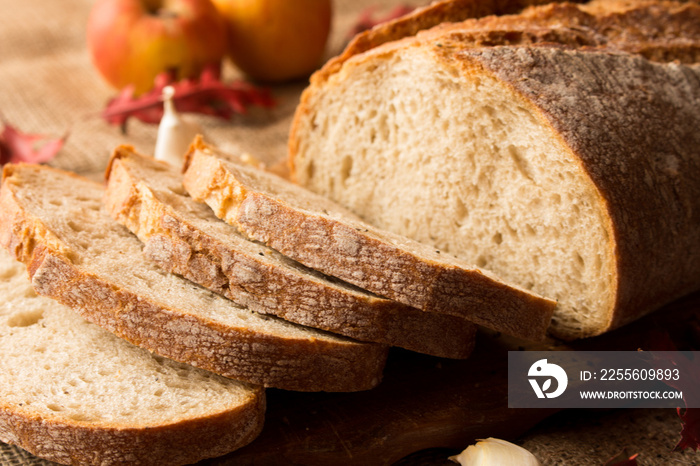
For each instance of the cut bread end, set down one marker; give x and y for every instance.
(436, 148)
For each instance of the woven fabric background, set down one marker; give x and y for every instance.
(48, 86)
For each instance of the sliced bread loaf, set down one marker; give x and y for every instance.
(437, 12)
(320, 234)
(54, 222)
(572, 173)
(185, 237)
(661, 30)
(74, 393)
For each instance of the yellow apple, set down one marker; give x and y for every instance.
(132, 41)
(276, 40)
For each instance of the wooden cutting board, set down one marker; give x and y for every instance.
(426, 402)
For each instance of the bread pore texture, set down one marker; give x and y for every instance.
(552, 168)
(74, 393)
(324, 236)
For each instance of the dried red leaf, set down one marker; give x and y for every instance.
(365, 20)
(690, 432)
(207, 95)
(16, 146)
(690, 417)
(623, 459)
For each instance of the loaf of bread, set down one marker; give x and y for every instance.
(573, 172)
(185, 237)
(436, 13)
(54, 222)
(323, 236)
(74, 393)
(661, 30)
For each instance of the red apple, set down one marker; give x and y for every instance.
(132, 41)
(276, 40)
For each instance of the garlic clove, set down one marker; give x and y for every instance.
(251, 160)
(495, 452)
(174, 133)
(246, 158)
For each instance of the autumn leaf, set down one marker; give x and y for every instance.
(366, 21)
(206, 95)
(690, 431)
(690, 417)
(623, 459)
(16, 146)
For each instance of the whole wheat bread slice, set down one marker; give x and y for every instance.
(185, 237)
(573, 173)
(54, 222)
(73, 393)
(320, 234)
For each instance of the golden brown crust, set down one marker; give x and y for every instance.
(623, 21)
(180, 442)
(662, 31)
(358, 254)
(438, 12)
(183, 248)
(290, 363)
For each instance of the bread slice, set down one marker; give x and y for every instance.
(571, 173)
(54, 222)
(185, 237)
(74, 393)
(321, 235)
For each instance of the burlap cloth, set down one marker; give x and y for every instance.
(48, 86)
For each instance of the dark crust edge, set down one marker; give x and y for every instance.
(181, 442)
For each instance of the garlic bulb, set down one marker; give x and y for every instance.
(174, 133)
(495, 452)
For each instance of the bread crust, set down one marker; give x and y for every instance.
(438, 12)
(359, 254)
(661, 31)
(237, 352)
(178, 442)
(623, 22)
(181, 247)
